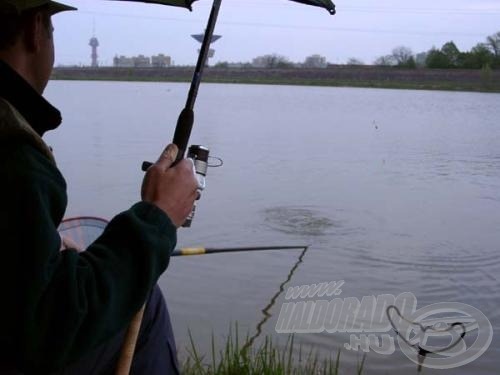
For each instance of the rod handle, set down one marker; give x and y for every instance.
(128, 348)
(183, 132)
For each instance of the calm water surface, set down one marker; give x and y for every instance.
(396, 191)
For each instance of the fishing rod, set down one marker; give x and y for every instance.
(81, 231)
(186, 118)
(199, 155)
(188, 251)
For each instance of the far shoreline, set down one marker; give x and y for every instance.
(484, 80)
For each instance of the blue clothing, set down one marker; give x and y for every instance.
(155, 354)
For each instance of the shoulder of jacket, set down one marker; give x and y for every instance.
(14, 125)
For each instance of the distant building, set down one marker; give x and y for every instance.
(161, 61)
(260, 62)
(141, 61)
(421, 59)
(123, 62)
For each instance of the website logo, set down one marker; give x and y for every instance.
(441, 335)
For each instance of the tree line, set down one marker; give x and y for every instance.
(485, 55)
(482, 55)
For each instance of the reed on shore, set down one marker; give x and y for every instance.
(243, 357)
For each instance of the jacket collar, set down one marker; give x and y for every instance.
(39, 113)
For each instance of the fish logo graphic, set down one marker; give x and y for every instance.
(442, 335)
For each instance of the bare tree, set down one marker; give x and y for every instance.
(493, 42)
(402, 54)
(387, 60)
(271, 61)
(315, 61)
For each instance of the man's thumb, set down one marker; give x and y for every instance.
(168, 156)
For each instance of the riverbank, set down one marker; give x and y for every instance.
(338, 75)
(240, 355)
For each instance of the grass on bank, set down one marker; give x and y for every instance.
(244, 358)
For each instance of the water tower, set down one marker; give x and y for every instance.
(199, 38)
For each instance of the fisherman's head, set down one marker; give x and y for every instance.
(26, 41)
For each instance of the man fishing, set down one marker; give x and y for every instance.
(67, 311)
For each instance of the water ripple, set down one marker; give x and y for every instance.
(305, 221)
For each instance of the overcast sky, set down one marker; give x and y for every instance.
(364, 29)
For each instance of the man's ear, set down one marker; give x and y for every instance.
(34, 31)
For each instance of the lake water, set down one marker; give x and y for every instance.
(395, 191)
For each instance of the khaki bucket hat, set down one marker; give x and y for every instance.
(20, 6)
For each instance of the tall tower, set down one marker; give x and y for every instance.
(94, 43)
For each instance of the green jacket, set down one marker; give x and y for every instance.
(57, 306)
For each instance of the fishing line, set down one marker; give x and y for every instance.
(218, 162)
(272, 302)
